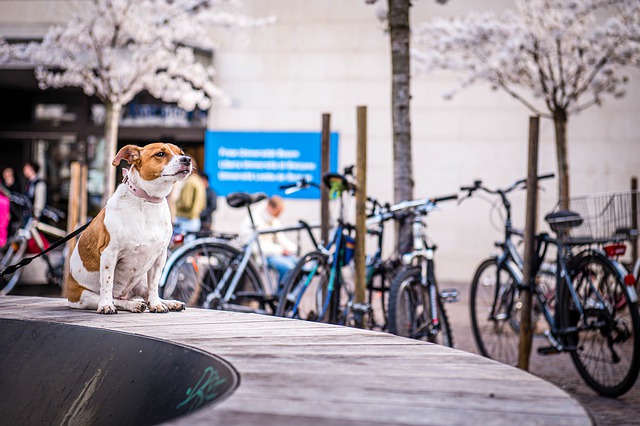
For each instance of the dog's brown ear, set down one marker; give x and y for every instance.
(130, 153)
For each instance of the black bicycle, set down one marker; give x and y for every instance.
(316, 289)
(380, 270)
(508, 263)
(416, 306)
(596, 317)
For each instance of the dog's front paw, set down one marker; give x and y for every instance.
(159, 308)
(107, 309)
(175, 305)
(138, 306)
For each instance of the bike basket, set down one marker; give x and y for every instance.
(597, 218)
(349, 249)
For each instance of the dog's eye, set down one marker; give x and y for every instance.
(160, 154)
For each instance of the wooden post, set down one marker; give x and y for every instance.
(529, 245)
(84, 202)
(634, 218)
(361, 205)
(325, 156)
(72, 216)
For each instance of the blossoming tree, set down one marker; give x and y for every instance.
(115, 49)
(569, 54)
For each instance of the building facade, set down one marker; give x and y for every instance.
(329, 56)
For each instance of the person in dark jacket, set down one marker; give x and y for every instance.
(35, 188)
(206, 217)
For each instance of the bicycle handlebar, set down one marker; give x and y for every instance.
(303, 183)
(547, 176)
(437, 200)
(404, 205)
(477, 184)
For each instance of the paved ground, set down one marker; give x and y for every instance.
(557, 369)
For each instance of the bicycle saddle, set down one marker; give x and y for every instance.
(242, 199)
(563, 220)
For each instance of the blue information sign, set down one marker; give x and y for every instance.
(263, 161)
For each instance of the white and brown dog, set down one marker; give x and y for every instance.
(119, 258)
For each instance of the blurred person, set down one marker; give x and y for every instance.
(5, 215)
(191, 200)
(9, 180)
(278, 250)
(10, 186)
(35, 189)
(206, 216)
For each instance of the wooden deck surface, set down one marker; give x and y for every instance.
(302, 373)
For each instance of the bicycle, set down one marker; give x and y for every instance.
(316, 290)
(416, 306)
(596, 315)
(379, 271)
(29, 237)
(219, 272)
(508, 259)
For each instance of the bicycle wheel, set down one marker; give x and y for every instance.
(607, 339)
(378, 285)
(495, 290)
(302, 295)
(410, 310)
(14, 254)
(198, 271)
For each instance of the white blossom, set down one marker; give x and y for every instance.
(115, 49)
(569, 53)
(565, 54)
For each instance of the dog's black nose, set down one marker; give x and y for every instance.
(185, 160)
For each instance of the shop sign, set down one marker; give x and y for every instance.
(264, 161)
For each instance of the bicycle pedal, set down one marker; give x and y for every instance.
(450, 295)
(361, 307)
(549, 350)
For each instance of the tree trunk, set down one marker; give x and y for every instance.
(400, 101)
(110, 147)
(560, 122)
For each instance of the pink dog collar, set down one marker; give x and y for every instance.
(139, 192)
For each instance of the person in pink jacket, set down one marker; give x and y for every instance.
(5, 215)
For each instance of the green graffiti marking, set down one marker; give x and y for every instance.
(204, 391)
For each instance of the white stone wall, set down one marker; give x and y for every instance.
(331, 56)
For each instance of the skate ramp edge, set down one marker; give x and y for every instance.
(66, 374)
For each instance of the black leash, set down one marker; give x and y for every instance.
(24, 262)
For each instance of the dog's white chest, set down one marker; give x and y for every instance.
(139, 231)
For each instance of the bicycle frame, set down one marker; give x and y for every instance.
(232, 276)
(423, 255)
(331, 303)
(563, 278)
